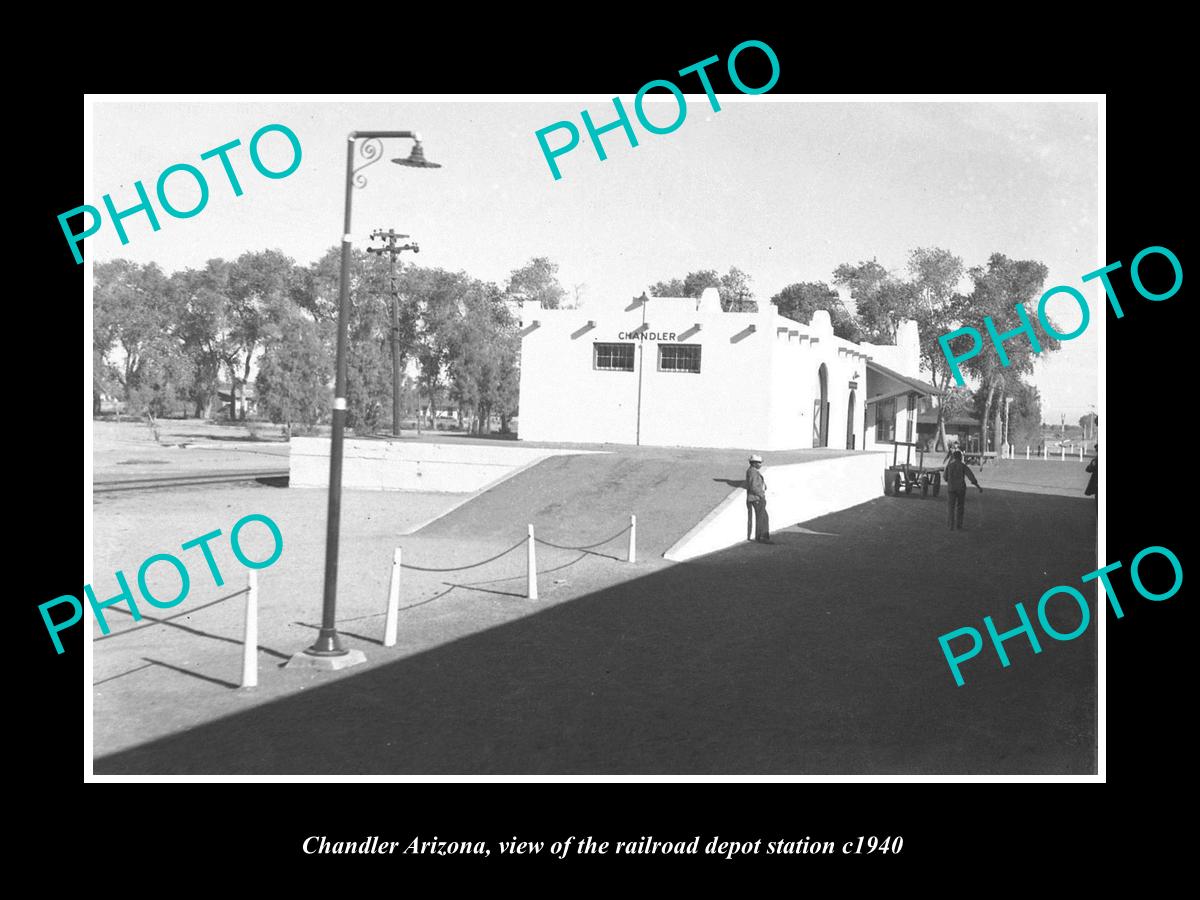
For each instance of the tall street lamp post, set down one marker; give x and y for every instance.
(392, 249)
(327, 652)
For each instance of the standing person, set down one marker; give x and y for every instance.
(957, 473)
(1093, 489)
(756, 500)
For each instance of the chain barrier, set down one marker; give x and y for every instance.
(152, 622)
(516, 546)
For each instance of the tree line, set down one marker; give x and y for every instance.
(164, 340)
(161, 341)
(927, 291)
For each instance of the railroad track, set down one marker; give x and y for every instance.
(174, 481)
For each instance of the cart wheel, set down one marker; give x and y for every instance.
(937, 483)
(896, 484)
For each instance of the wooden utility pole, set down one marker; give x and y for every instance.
(392, 249)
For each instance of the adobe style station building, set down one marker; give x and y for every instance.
(678, 371)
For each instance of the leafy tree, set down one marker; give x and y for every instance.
(998, 288)
(201, 298)
(1025, 415)
(935, 274)
(880, 300)
(1088, 425)
(439, 298)
(136, 336)
(105, 330)
(693, 285)
(296, 373)
(104, 380)
(482, 355)
(260, 290)
(736, 295)
(536, 282)
(934, 304)
(368, 329)
(957, 400)
(799, 301)
(733, 288)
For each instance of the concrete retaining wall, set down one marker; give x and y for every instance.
(795, 493)
(412, 465)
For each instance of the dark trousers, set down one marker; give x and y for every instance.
(957, 501)
(762, 522)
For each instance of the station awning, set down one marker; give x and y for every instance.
(906, 384)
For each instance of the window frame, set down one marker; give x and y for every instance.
(678, 346)
(880, 419)
(612, 344)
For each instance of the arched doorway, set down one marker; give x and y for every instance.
(850, 423)
(821, 410)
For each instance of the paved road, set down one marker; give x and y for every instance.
(817, 655)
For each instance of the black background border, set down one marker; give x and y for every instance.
(961, 827)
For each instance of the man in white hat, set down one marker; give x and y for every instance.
(756, 500)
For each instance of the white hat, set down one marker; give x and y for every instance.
(755, 458)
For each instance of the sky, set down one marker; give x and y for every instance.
(784, 190)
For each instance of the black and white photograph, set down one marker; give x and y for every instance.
(680, 434)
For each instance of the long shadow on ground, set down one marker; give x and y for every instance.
(816, 655)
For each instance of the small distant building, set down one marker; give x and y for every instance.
(105, 403)
(679, 371)
(965, 429)
(247, 397)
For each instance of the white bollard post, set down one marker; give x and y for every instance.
(1081, 452)
(1026, 453)
(633, 538)
(531, 571)
(250, 638)
(393, 607)
(1062, 454)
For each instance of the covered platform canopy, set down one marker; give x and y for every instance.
(889, 383)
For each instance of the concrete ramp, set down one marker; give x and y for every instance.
(677, 494)
(579, 500)
(795, 493)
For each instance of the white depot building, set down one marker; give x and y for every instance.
(678, 371)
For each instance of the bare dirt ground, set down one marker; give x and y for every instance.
(153, 680)
(819, 654)
(1065, 479)
(128, 449)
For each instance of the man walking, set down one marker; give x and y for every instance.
(1094, 467)
(957, 473)
(756, 502)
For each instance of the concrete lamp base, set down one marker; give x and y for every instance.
(303, 660)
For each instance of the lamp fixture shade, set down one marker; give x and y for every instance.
(416, 159)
